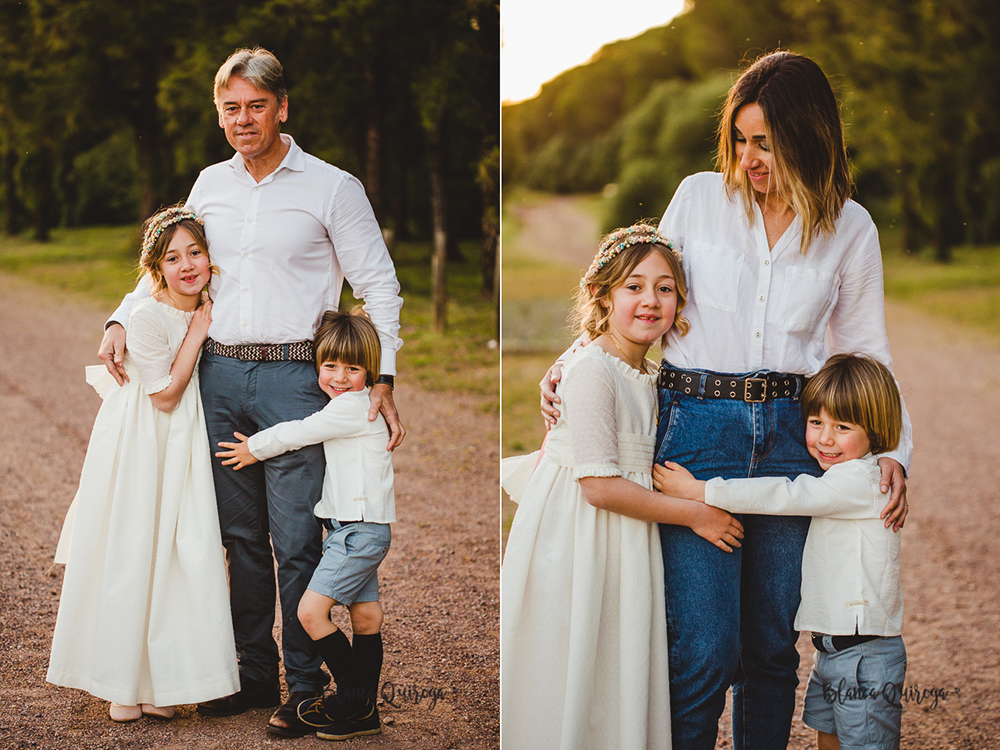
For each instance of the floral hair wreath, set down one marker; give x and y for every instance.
(620, 239)
(161, 221)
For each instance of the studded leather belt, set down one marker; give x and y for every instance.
(754, 389)
(300, 351)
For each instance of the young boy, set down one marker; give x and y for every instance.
(357, 506)
(851, 594)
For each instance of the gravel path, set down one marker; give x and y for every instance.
(439, 583)
(951, 576)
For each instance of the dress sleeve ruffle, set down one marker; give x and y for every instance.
(579, 472)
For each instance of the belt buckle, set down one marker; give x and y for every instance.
(746, 390)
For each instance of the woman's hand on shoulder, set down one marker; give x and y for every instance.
(893, 481)
(718, 527)
(549, 398)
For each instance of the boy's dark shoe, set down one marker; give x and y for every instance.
(361, 721)
(253, 694)
(318, 713)
(285, 722)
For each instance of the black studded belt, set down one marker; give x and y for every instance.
(300, 351)
(754, 389)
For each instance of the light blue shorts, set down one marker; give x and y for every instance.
(855, 694)
(352, 552)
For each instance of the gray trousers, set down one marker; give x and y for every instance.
(266, 511)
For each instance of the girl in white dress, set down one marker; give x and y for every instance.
(583, 624)
(144, 619)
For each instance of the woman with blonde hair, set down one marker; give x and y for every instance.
(783, 270)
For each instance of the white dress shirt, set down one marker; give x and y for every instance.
(752, 308)
(284, 247)
(358, 483)
(850, 564)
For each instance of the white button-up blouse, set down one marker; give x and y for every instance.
(752, 308)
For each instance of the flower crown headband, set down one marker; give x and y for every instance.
(620, 239)
(160, 222)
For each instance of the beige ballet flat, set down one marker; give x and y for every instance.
(158, 712)
(121, 713)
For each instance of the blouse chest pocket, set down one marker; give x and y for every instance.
(713, 275)
(807, 297)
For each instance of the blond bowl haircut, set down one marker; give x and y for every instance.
(151, 263)
(591, 317)
(349, 338)
(258, 67)
(861, 390)
(806, 137)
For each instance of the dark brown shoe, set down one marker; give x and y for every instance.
(285, 722)
(253, 694)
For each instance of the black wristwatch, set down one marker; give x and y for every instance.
(387, 380)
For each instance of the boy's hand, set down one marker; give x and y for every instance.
(718, 527)
(238, 453)
(673, 479)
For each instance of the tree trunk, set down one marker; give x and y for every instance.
(910, 219)
(12, 224)
(439, 213)
(945, 210)
(488, 179)
(150, 199)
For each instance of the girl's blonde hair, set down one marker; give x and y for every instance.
(620, 252)
(804, 133)
(351, 338)
(861, 390)
(157, 232)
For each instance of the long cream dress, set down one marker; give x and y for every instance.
(583, 619)
(144, 615)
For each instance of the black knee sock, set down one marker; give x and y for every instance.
(368, 659)
(339, 657)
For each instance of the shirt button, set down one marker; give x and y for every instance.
(762, 298)
(757, 335)
(766, 262)
(244, 324)
(244, 253)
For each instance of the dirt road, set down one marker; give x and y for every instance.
(951, 573)
(439, 584)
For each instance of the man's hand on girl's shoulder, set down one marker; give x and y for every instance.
(112, 352)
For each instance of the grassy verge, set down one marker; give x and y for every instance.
(100, 263)
(965, 291)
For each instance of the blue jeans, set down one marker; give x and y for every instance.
(267, 506)
(730, 615)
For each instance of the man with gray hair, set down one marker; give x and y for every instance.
(285, 229)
